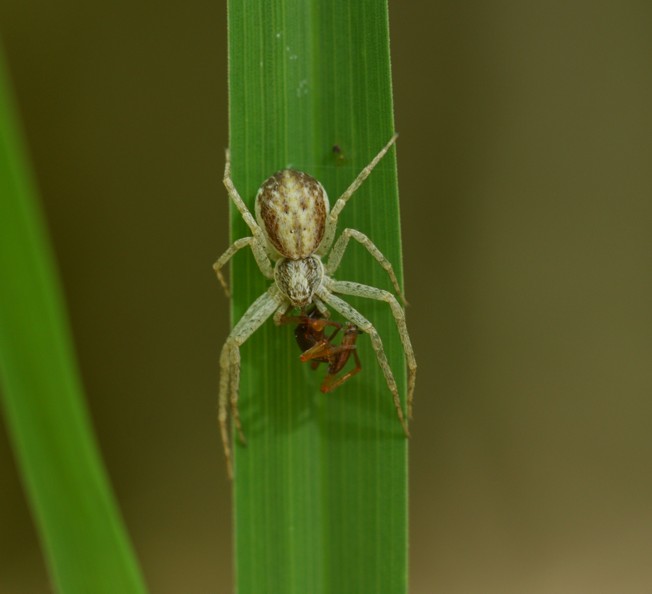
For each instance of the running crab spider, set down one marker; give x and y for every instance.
(292, 231)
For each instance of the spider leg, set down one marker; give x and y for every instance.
(319, 304)
(259, 311)
(340, 246)
(355, 317)
(261, 259)
(357, 289)
(239, 203)
(279, 314)
(331, 221)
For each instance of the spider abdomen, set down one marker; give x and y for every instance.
(291, 207)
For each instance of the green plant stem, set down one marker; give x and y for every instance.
(85, 544)
(320, 492)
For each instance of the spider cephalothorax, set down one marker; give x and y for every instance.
(295, 229)
(299, 279)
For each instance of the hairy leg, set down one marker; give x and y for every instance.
(331, 221)
(355, 317)
(259, 311)
(340, 246)
(259, 253)
(359, 290)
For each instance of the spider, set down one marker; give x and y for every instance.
(292, 231)
(318, 348)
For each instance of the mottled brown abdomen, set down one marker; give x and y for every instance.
(291, 206)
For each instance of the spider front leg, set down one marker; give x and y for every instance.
(355, 317)
(259, 311)
(360, 290)
(331, 221)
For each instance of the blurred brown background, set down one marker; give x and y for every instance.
(526, 181)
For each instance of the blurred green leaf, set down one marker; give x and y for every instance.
(321, 488)
(85, 544)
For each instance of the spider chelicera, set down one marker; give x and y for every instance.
(294, 230)
(318, 348)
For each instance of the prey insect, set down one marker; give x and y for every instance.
(318, 348)
(293, 230)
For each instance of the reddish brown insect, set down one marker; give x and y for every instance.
(318, 348)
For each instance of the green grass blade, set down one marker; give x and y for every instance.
(320, 492)
(86, 547)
